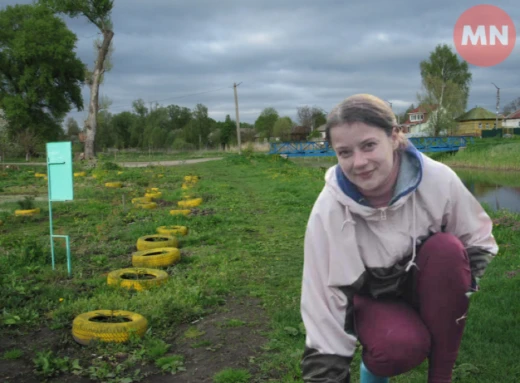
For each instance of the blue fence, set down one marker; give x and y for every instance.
(323, 149)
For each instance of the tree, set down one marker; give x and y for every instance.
(227, 131)
(442, 101)
(98, 12)
(28, 140)
(137, 128)
(40, 74)
(264, 124)
(311, 117)
(446, 82)
(444, 67)
(72, 129)
(179, 116)
(201, 124)
(513, 106)
(319, 117)
(282, 127)
(304, 114)
(120, 126)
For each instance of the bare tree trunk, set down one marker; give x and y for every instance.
(91, 122)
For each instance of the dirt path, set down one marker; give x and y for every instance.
(140, 164)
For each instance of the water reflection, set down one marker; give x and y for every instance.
(499, 190)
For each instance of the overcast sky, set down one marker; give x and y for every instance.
(285, 53)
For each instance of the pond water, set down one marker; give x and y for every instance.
(498, 190)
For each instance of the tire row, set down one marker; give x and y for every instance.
(154, 252)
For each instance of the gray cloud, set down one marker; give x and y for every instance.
(285, 54)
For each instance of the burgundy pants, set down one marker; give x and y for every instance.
(397, 335)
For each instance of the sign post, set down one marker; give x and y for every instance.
(60, 183)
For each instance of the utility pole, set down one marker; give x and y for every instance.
(238, 118)
(498, 104)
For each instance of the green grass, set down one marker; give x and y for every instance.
(251, 245)
(12, 354)
(231, 375)
(489, 153)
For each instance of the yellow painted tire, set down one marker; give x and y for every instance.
(172, 230)
(117, 278)
(151, 190)
(160, 257)
(80, 174)
(85, 327)
(185, 187)
(187, 196)
(184, 212)
(146, 205)
(27, 212)
(190, 202)
(114, 184)
(155, 241)
(191, 178)
(40, 175)
(153, 195)
(141, 200)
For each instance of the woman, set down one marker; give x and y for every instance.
(393, 247)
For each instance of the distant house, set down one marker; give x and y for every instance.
(475, 120)
(417, 124)
(512, 120)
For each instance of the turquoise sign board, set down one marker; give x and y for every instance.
(59, 171)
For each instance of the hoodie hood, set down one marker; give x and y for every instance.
(408, 179)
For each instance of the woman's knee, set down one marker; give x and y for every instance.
(398, 352)
(447, 249)
(393, 336)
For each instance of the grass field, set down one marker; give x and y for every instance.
(229, 310)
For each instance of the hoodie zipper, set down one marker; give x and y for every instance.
(383, 214)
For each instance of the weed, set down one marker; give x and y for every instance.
(27, 203)
(171, 364)
(48, 365)
(231, 375)
(107, 165)
(155, 348)
(193, 332)
(12, 354)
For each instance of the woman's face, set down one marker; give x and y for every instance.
(365, 153)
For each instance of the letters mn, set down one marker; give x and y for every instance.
(480, 34)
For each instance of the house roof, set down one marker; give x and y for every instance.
(477, 113)
(322, 128)
(423, 109)
(514, 115)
